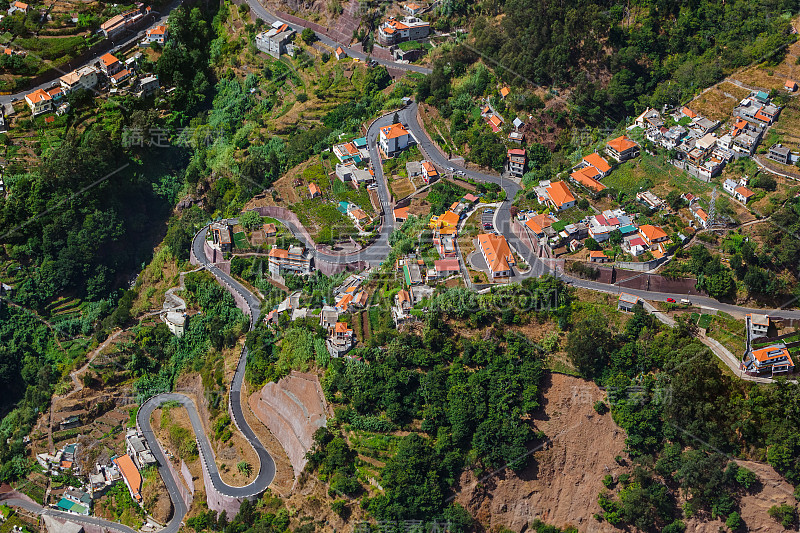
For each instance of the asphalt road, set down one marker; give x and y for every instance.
(265, 15)
(42, 511)
(115, 46)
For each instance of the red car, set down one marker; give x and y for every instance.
(671, 300)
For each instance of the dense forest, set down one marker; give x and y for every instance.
(655, 52)
(685, 420)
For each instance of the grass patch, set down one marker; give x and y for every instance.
(704, 321)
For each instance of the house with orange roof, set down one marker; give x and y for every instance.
(505, 91)
(497, 254)
(774, 359)
(429, 172)
(790, 86)
(587, 176)
(395, 31)
(537, 224)
(413, 9)
(120, 77)
(394, 139)
(340, 53)
(156, 35)
(688, 112)
(598, 256)
(344, 303)
(743, 194)
(448, 219)
(314, 190)
(598, 162)
(131, 476)
(494, 121)
(109, 64)
(294, 260)
(700, 215)
(653, 234)
(401, 214)
(559, 196)
(622, 148)
(39, 101)
(17, 6)
(270, 230)
(359, 216)
(402, 307)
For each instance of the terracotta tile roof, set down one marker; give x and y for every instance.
(761, 116)
(446, 265)
(598, 253)
(109, 60)
(516, 151)
(652, 233)
(313, 188)
(403, 296)
(688, 112)
(537, 223)
(270, 228)
(744, 191)
(344, 302)
(131, 474)
(496, 252)
(559, 193)
(394, 131)
(401, 212)
(790, 84)
(158, 30)
(585, 177)
(622, 143)
(279, 253)
(429, 168)
(598, 162)
(341, 327)
(771, 353)
(702, 214)
(504, 91)
(448, 219)
(38, 95)
(470, 197)
(339, 50)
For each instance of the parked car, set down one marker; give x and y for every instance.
(671, 300)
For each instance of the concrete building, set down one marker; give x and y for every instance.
(276, 41)
(622, 148)
(82, 78)
(294, 260)
(515, 162)
(394, 139)
(395, 31)
(780, 153)
(497, 254)
(176, 322)
(626, 302)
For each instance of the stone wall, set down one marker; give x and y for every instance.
(292, 409)
(217, 501)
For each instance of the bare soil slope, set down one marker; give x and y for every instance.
(562, 486)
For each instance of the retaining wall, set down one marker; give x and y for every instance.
(187, 476)
(643, 266)
(216, 501)
(292, 409)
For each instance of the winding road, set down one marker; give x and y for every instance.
(374, 255)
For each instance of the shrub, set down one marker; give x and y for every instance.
(785, 514)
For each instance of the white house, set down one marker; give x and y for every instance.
(82, 78)
(17, 6)
(156, 35)
(394, 139)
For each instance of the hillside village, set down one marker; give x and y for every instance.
(361, 185)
